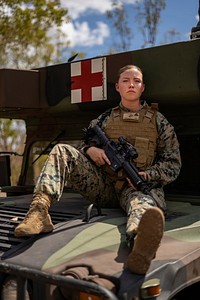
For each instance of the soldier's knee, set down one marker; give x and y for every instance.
(63, 148)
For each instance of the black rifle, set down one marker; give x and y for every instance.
(121, 155)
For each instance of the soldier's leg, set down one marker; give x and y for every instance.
(134, 203)
(145, 227)
(67, 164)
(64, 163)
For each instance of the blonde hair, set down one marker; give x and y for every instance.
(128, 67)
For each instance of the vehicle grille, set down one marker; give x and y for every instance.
(11, 216)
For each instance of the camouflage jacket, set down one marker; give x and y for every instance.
(167, 164)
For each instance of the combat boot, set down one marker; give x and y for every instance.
(37, 219)
(147, 241)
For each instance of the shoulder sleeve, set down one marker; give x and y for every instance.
(167, 164)
(101, 120)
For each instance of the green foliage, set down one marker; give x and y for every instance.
(24, 32)
(12, 138)
(12, 133)
(30, 37)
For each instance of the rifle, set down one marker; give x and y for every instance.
(121, 155)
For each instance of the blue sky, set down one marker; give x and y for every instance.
(90, 31)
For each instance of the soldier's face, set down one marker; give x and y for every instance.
(130, 85)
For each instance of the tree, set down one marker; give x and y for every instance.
(149, 17)
(25, 28)
(12, 137)
(118, 16)
(171, 36)
(24, 32)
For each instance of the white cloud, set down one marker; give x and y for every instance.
(78, 7)
(82, 34)
(85, 33)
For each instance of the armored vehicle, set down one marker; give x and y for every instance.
(85, 256)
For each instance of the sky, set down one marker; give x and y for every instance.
(90, 31)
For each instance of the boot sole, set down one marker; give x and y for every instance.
(147, 241)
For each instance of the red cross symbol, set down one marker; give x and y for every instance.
(86, 81)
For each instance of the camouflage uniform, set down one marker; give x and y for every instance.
(65, 163)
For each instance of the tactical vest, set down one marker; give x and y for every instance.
(138, 128)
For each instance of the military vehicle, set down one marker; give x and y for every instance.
(85, 256)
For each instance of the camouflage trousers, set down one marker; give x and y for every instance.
(66, 164)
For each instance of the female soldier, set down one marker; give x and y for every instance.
(87, 170)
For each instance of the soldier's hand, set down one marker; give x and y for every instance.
(98, 156)
(143, 174)
(130, 183)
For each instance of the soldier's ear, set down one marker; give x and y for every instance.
(143, 87)
(117, 87)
